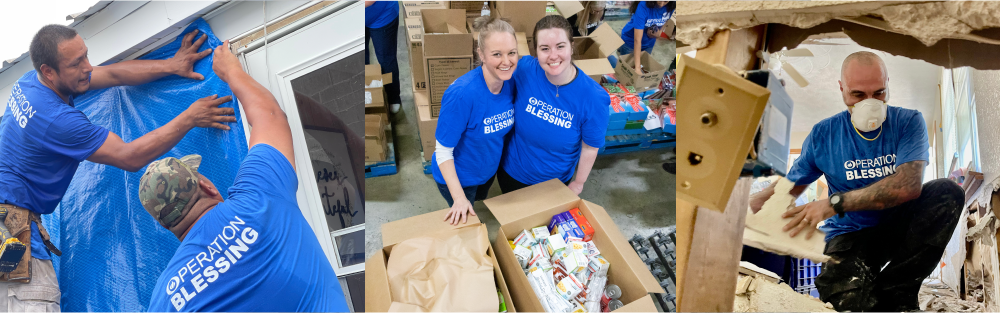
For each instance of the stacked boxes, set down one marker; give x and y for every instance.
(447, 50)
(426, 122)
(522, 15)
(375, 143)
(414, 37)
(412, 8)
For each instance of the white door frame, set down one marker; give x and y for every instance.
(308, 199)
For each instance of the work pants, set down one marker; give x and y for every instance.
(384, 39)
(40, 295)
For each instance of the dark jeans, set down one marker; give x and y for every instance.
(472, 193)
(508, 184)
(384, 40)
(910, 237)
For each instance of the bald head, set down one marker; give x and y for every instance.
(863, 76)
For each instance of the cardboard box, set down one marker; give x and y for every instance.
(568, 8)
(426, 124)
(375, 96)
(375, 143)
(468, 6)
(412, 8)
(625, 71)
(447, 49)
(523, 16)
(590, 53)
(414, 38)
(535, 205)
(377, 297)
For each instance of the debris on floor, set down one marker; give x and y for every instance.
(757, 292)
(938, 297)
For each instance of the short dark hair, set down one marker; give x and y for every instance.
(44, 47)
(553, 21)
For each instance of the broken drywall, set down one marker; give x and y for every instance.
(763, 229)
(760, 295)
(938, 297)
(928, 22)
(750, 269)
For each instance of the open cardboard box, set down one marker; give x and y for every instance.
(534, 206)
(625, 71)
(377, 298)
(373, 72)
(591, 53)
(447, 50)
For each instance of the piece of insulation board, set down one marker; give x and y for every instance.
(763, 230)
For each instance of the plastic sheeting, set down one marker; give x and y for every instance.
(113, 250)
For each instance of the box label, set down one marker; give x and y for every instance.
(443, 72)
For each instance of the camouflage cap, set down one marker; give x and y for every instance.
(168, 186)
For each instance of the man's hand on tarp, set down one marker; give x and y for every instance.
(206, 112)
(183, 61)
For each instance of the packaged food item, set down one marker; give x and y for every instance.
(523, 255)
(511, 244)
(592, 249)
(539, 249)
(569, 287)
(556, 219)
(540, 232)
(592, 306)
(524, 239)
(582, 223)
(611, 293)
(595, 289)
(544, 264)
(599, 265)
(575, 262)
(614, 305)
(577, 306)
(554, 244)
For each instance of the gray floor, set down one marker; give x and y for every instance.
(632, 187)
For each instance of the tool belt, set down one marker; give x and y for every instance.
(19, 221)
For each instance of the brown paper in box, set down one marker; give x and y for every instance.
(443, 271)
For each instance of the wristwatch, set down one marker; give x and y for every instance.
(837, 202)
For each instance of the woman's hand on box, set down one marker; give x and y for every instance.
(459, 212)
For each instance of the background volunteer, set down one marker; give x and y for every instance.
(477, 112)
(879, 211)
(381, 23)
(640, 32)
(281, 266)
(561, 114)
(44, 137)
(586, 21)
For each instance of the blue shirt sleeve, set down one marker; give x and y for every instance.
(454, 117)
(73, 135)
(595, 126)
(640, 17)
(914, 145)
(804, 171)
(264, 171)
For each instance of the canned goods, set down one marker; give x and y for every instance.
(614, 305)
(612, 291)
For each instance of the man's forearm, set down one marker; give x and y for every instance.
(132, 73)
(902, 186)
(258, 103)
(154, 144)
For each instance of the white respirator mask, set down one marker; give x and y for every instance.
(868, 114)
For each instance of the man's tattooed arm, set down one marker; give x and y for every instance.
(902, 186)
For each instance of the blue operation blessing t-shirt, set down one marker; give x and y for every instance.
(381, 13)
(645, 18)
(834, 149)
(474, 121)
(253, 252)
(547, 139)
(42, 142)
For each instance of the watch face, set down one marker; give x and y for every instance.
(835, 199)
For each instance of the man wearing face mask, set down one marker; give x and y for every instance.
(879, 211)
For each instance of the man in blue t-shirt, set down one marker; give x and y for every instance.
(381, 27)
(253, 251)
(879, 211)
(43, 138)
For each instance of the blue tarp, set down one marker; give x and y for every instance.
(113, 250)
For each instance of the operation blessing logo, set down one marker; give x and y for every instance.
(19, 106)
(548, 113)
(236, 243)
(871, 168)
(502, 120)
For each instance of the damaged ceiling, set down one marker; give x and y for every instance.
(949, 34)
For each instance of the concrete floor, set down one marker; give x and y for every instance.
(633, 187)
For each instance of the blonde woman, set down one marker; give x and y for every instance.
(477, 112)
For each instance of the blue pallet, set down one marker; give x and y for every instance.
(632, 143)
(805, 272)
(384, 168)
